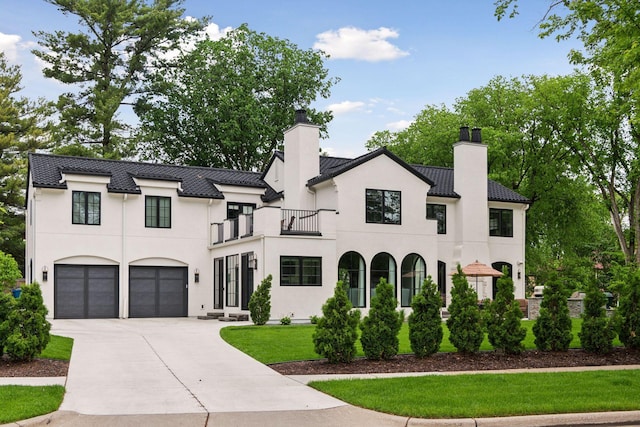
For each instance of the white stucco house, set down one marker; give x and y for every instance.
(125, 239)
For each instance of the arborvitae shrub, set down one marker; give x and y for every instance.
(7, 303)
(336, 333)
(502, 318)
(380, 328)
(260, 302)
(465, 329)
(425, 322)
(26, 328)
(628, 315)
(597, 332)
(552, 328)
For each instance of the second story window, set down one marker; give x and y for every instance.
(383, 206)
(439, 213)
(85, 208)
(157, 212)
(501, 222)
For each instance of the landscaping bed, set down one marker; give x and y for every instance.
(34, 368)
(453, 362)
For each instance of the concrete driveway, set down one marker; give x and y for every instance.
(171, 366)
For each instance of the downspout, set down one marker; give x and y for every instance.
(123, 263)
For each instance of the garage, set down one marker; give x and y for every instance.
(158, 292)
(85, 291)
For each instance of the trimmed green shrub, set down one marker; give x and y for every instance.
(260, 302)
(465, 329)
(337, 330)
(628, 314)
(7, 303)
(26, 328)
(9, 272)
(597, 332)
(552, 328)
(502, 318)
(286, 320)
(380, 328)
(425, 322)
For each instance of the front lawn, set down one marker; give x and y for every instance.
(491, 395)
(273, 344)
(22, 402)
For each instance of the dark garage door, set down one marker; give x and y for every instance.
(158, 291)
(85, 291)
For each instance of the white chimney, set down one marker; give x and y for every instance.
(470, 183)
(301, 162)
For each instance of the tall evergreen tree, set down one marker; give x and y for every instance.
(381, 326)
(465, 329)
(425, 322)
(503, 318)
(552, 328)
(628, 315)
(597, 332)
(106, 61)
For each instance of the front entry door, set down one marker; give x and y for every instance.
(247, 280)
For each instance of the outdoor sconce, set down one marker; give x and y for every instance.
(519, 275)
(253, 262)
(196, 276)
(45, 274)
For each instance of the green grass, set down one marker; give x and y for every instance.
(58, 348)
(490, 395)
(22, 402)
(273, 344)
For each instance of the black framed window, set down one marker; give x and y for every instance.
(439, 213)
(383, 206)
(233, 271)
(85, 208)
(157, 212)
(501, 222)
(352, 273)
(300, 271)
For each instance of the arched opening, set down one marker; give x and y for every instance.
(413, 271)
(351, 270)
(498, 266)
(382, 266)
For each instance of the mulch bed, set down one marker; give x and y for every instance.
(34, 368)
(452, 362)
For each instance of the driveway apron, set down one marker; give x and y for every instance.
(171, 366)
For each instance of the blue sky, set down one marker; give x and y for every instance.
(393, 58)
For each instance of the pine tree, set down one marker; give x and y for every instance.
(425, 322)
(465, 329)
(597, 332)
(381, 327)
(552, 328)
(503, 318)
(260, 302)
(336, 334)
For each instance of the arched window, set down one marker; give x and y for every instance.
(382, 266)
(351, 271)
(414, 271)
(498, 266)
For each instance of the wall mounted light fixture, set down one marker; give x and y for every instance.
(196, 276)
(253, 261)
(45, 274)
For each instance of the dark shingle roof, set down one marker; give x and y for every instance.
(46, 171)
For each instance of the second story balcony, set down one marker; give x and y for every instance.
(273, 222)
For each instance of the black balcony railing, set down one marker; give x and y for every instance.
(296, 221)
(218, 232)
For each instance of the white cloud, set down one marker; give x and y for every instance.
(399, 125)
(12, 44)
(356, 43)
(214, 32)
(345, 107)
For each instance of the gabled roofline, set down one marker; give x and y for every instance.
(365, 158)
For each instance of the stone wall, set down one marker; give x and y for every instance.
(576, 307)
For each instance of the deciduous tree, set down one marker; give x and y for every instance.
(228, 102)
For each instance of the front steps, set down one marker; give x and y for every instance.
(219, 315)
